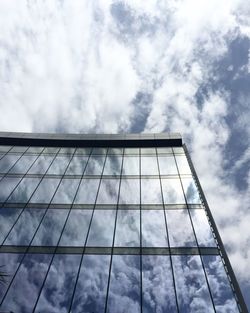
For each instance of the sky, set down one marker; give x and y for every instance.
(140, 66)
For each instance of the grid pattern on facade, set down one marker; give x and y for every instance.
(106, 230)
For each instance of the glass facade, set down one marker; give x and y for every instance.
(107, 230)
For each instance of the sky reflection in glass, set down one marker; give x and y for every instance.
(8, 217)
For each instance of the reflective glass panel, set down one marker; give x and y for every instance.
(102, 228)
(149, 165)
(84, 151)
(18, 149)
(57, 291)
(164, 151)
(95, 165)
(45, 190)
(124, 290)
(191, 191)
(202, 229)
(151, 191)
(59, 165)
(129, 191)
(219, 285)
(66, 150)
(154, 232)
(7, 184)
(50, 150)
(91, 287)
(87, 191)
(180, 229)
(25, 227)
(191, 286)
(128, 228)
(76, 228)
(23, 164)
(115, 151)
(108, 191)
(182, 164)
(148, 151)
(24, 190)
(8, 217)
(24, 290)
(130, 165)
(41, 165)
(99, 151)
(50, 229)
(8, 161)
(157, 285)
(178, 150)
(132, 151)
(172, 191)
(113, 165)
(35, 149)
(4, 148)
(77, 165)
(167, 165)
(66, 191)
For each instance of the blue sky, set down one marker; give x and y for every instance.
(140, 66)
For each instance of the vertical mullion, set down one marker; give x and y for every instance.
(165, 217)
(140, 230)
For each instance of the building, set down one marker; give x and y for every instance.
(108, 223)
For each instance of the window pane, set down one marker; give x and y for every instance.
(108, 192)
(95, 165)
(66, 191)
(182, 164)
(35, 149)
(128, 228)
(102, 228)
(7, 184)
(157, 284)
(4, 148)
(23, 164)
(154, 232)
(191, 286)
(8, 161)
(124, 291)
(50, 229)
(148, 151)
(24, 290)
(113, 165)
(133, 151)
(76, 228)
(77, 165)
(24, 190)
(8, 217)
(50, 150)
(164, 151)
(45, 190)
(25, 227)
(219, 285)
(151, 191)
(59, 165)
(57, 291)
(149, 165)
(41, 165)
(191, 191)
(130, 165)
(87, 191)
(172, 191)
(129, 191)
(167, 165)
(180, 229)
(91, 287)
(202, 229)
(84, 151)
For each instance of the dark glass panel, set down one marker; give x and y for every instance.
(45, 190)
(172, 191)
(87, 191)
(66, 191)
(191, 191)
(130, 165)
(128, 228)
(191, 287)
(219, 285)
(157, 285)
(57, 291)
(24, 190)
(23, 164)
(24, 229)
(151, 191)
(108, 191)
(91, 287)
(24, 290)
(41, 165)
(59, 165)
(7, 184)
(180, 229)
(76, 228)
(50, 229)
(113, 165)
(77, 165)
(149, 165)
(129, 191)
(102, 228)
(8, 161)
(182, 164)
(154, 232)
(202, 229)
(167, 165)
(95, 165)
(124, 290)
(8, 217)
